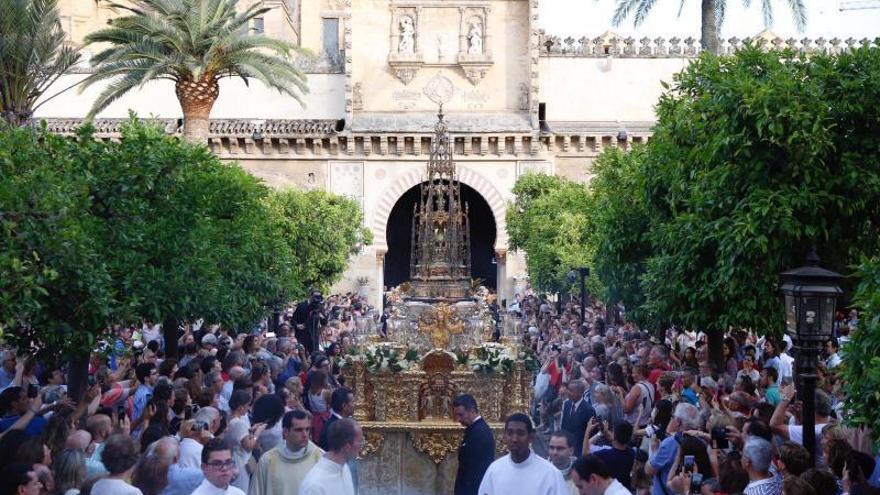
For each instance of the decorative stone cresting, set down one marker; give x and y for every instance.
(610, 44)
(466, 176)
(216, 127)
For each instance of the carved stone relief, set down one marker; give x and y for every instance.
(357, 97)
(405, 58)
(475, 37)
(406, 43)
(406, 99)
(409, 42)
(474, 57)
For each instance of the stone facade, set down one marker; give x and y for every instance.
(519, 100)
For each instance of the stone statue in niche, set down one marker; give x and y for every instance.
(475, 38)
(407, 42)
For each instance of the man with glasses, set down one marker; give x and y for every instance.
(219, 469)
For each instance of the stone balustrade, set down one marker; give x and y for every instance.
(675, 47)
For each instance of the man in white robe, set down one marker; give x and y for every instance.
(521, 471)
(331, 475)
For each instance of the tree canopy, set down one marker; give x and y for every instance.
(102, 232)
(551, 220)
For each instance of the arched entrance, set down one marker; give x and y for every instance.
(482, 230)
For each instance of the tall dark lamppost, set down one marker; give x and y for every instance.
(810, 295)
(584, 272)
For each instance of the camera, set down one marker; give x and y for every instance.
(32, 391)
(719, 437)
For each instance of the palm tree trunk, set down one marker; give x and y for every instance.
(196, 100)
(709, 30)
(16, 118)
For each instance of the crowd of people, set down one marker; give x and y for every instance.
(267, 412)
(627, 412)
(264, 412)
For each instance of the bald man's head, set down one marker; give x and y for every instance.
(79, 439)
(99, 426)
(166, 449)
(237, 372)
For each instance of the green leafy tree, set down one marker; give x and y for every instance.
(56, 286)
(621, 221)
(193, 43)
(755, 158)
(94, 233)
(860, 371)
(33, 55)
(527, 188)
(323, 230)
(552, 223)
(186, 233)
(712, 13)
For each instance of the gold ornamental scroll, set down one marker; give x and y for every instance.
(440, 324)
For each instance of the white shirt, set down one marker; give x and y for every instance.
(533, 476)
(327, 478)
(833, 361)
(108, 486)
(207, 488)
(190, 454)
(796, 435)
(616, 488)
(786, 367)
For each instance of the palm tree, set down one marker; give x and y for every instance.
(33, 55)
(712, 16)
(194, 43)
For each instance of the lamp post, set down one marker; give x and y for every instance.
(584, 272)
(810, 294)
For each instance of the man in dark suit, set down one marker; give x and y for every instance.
(341, 406)
(576, 413)
(477, 448)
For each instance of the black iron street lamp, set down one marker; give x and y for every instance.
(810, 295)
(584, 272)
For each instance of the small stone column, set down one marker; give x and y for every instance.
(501, 274)
(379, 276)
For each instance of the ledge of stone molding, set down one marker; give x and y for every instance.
(612, 45)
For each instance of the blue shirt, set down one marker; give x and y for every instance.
(6, 378)
(182, 480)
(662, 462)
(33, 429)
(141, 396)
(690, 396)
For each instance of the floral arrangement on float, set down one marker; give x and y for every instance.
(529, 359)
(491, 358)
(383, 358)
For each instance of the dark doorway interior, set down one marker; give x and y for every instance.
(482, 224)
